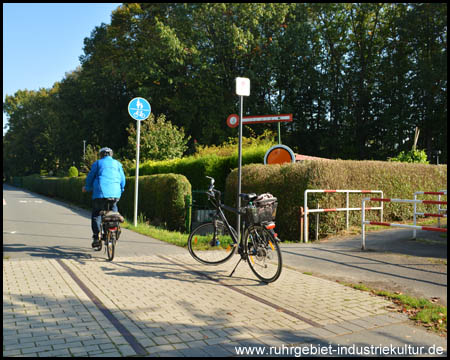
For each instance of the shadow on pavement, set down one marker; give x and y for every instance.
(47, 252)
(365, 268)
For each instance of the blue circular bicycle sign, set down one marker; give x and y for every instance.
(139, 109)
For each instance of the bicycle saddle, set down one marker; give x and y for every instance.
(248, 197)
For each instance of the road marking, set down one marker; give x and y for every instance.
(23, 201)
(4, 201)
(137, 347)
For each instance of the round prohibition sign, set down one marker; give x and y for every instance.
(279, 154)
(233, 120)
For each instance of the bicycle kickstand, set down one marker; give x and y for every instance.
(235, 268)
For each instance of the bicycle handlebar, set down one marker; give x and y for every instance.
(212, 194)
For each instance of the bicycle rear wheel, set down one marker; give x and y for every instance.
(110, 244)
(264, 255)
(211, 243)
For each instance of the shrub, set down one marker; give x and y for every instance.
(197, 168)
(162, 198)
(159, 139)
(413, 156)
(73, 172)
(288, 183)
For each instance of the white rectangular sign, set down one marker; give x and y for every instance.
(242, 86)
(266, 118)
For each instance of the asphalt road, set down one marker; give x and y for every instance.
(392, 261)
(35, 226)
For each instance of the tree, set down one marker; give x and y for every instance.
(358, 78)
(159, 140)
(91, 156)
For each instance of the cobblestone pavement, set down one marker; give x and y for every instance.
(173, 306)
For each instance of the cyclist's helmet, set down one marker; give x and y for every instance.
(106, 151)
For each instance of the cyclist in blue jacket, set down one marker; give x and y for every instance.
(106, 180)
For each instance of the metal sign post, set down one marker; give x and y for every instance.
(242, 89)
(139, 109)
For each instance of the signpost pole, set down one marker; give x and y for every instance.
(136, 184)
(279, 134)
(238, 225)
(242, 89)
(139, 109)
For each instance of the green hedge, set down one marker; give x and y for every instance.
(197, 168)
(162, 198)
(289, 182)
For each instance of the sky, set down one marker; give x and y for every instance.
(43, 41)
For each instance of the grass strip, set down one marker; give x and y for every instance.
(424, 312)
(171, 237)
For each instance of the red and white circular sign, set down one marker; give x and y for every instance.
(233, 120)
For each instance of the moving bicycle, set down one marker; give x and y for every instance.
(110, 228)
(216, 242)
(106, 180)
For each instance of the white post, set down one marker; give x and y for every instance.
(346, 205)
(317, 224)
(238, 223)
(136, 184)
(363, 219)
(439, 210)
(305, 214)
(242, 89)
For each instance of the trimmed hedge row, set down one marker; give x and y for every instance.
(163, 199)
(289, 182)
(197, 168)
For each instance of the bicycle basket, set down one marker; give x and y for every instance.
(264, 209)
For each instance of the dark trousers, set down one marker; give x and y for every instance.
(96, 219)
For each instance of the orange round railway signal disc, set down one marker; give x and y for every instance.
(279, 154)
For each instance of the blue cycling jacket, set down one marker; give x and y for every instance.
(106, 179)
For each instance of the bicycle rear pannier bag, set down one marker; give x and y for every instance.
(112, 216)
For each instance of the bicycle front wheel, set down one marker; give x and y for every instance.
(211, 243)
(110, 244)
(264, 255)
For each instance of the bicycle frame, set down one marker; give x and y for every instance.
(257, 244)
(218, 205)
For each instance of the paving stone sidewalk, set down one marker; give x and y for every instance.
(174, 306)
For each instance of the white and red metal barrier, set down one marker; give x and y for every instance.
(305, 211)
(364, 222)
(438, 215)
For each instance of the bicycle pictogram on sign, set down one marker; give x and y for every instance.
(139, 109)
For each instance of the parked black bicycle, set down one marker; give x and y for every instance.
(109, 229)
(216, 242)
